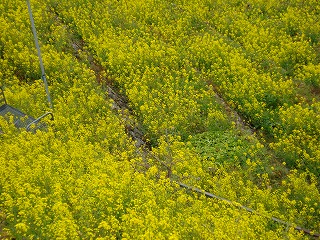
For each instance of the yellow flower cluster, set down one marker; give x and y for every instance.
(298, 137)
(83, 177)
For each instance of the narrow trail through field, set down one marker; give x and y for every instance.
(234, 116)
(120, 102)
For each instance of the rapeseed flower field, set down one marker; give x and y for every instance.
(225, 94)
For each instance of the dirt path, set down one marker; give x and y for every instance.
(120, 102)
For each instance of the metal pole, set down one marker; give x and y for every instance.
(43, 76)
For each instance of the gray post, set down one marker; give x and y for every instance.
(43, 76)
